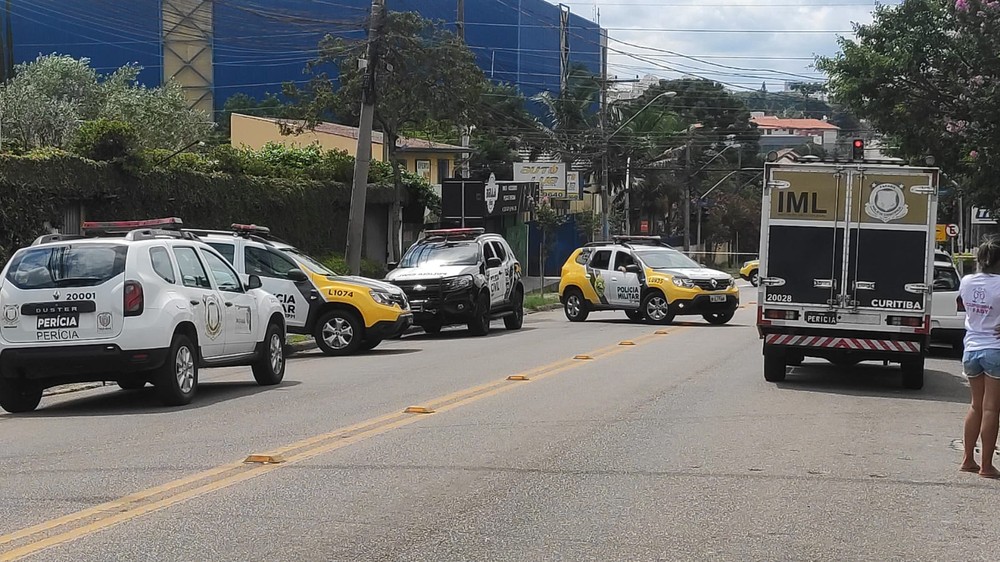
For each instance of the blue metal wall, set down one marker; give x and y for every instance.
(260, 44)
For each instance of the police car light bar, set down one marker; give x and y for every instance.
(250, 229)
(455, 231)
(169, 223)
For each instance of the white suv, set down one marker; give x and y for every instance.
(135, 304)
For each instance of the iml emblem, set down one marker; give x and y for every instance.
(419, 288)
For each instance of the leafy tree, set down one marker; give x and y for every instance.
(426, 74)
(105, 140)
(548, 220)
(924, 73)
(47, 100)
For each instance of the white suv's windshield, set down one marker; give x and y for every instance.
(83, 265)
(310, 263)
(441, 253)
(663, 258)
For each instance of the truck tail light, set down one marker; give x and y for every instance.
(910, 321)
(960, 303)
(773, 314)
(134, 300)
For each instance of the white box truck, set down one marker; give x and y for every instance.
(846, 264)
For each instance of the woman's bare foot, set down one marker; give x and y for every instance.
(969, 467)
(989, 472)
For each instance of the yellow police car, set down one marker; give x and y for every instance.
(647, 279)
(751, 272)
(344, 314)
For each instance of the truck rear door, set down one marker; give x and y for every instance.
(805, 236)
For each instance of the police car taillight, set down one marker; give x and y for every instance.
(960, 303)
(173, 223)
(134, 300)
(250, 229)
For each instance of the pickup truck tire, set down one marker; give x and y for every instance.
(775, 366)
(131, 384)
(269, 368)
(515, 320)
(339, 332)
(431, 328)
(575, 306)
(794, 358)
(634, 315)
(913, 373)
(176, 381)
(369, 345)
(480, 323)
(718, 318)
(17, 397)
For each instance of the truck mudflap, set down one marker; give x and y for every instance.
(844, 343)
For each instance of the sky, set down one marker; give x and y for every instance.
(767, 40)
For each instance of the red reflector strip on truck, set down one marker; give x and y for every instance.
(843, 343)
(911, 321)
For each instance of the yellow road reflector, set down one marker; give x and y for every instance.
(662, 332)
(418, 410)
(626, 342)
(583, 357)
(265, 459)
(517, 378)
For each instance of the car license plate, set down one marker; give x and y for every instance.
(718, 298)
(57, 321)
(821, 317)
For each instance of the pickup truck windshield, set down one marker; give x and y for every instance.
(441, 253)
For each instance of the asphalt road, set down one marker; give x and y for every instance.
(673, 448)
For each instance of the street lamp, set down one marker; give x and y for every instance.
(605, 199)
(701, 198)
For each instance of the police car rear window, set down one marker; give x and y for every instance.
(82, 265)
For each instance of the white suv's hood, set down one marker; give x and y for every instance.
(697, 273)
(431, 272)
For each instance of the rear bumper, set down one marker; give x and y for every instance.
(863, 346)
(386, 329)
(702, 304)
(55, 365)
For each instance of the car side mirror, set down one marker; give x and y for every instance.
(391, 265)
(493, 263)
(297, 275)
(633, 268)
(254, 282)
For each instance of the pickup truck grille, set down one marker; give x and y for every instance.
(420, 290)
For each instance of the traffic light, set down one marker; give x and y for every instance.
(858, 150)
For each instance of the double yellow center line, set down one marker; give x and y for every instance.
(36, 538)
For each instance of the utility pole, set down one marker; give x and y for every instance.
(363, 155)
(687, 194)
(463, 130)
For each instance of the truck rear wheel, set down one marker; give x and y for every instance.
(913, 373)
(774, 366)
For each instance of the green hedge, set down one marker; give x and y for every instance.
(36, 188)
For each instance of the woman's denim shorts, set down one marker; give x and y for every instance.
(975, 363)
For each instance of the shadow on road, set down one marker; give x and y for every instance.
(460, 332)
(145, 401)
(391, 351)
(874, 380)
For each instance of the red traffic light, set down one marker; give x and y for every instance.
(859, 143)
(858, 152)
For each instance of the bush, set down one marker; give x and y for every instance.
(338, 263)
(106, 141)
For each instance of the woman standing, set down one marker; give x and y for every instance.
(980, 293)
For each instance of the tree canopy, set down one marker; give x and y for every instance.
(925, 73)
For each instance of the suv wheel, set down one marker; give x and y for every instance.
(17, 397)
(432, 328)
(177, 380)
(656, 308)
(755, 277)
(575, 306)
(516, 319)
(339, 333)
(480, 323)
(718, 318)
(269, 368)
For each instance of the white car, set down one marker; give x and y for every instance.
(135, 304)
(947, 312)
